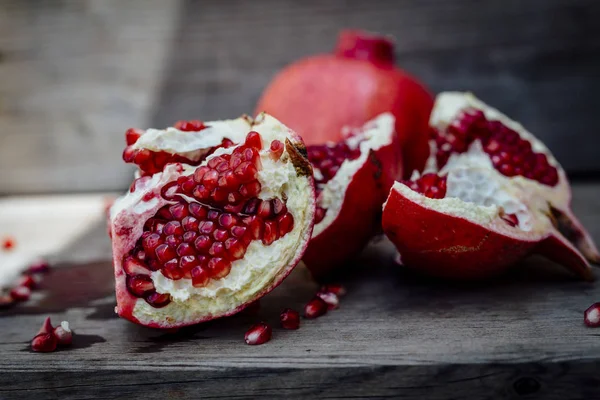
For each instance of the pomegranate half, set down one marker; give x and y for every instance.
(491, 194)
(353, 178)
(320, 95)
(219, 215)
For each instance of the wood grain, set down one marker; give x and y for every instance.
(395, 335)
(76, 74)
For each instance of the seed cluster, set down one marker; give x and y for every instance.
(510, 154)
(327, 159)
(199, 240)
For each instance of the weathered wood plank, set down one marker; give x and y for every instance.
(396, 334)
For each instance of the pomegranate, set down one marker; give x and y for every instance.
(207, 236)
(352, 183)
(492, 194)
(290, 319)
(348, 88)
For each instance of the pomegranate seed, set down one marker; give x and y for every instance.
(187, 263)
(172, 270)
(20, 293)
(253, 140)
(330, 298)
(45, 341)
(158, 300)
(165, 253)
(315, 308)
(40, 266)
(235, 249)
(337, 289)
(132, 135)
(63, 334)
(591, 316)
(320, 214)
(219, 267)
(202, 243)
(185, 249)
(200, 277)
(511, 219)
(207, 227)
(258, 334)
(290, 319)
(238, 231)
(173, 228)
(198, 211)
(276, 150)
(189, 237)
(286, 224)
(271, 233)
(217, 249)
(190, 126)
(8, 243)
(27, 281)
(139, 285)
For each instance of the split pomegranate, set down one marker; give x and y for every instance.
(492, 194)
(348, 88)
(352, 183)
(258, 334)
(204, 237)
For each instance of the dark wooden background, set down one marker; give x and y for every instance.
(74, 74)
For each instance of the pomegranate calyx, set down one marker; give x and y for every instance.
(360, 45)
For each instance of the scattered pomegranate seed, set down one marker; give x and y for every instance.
(40, 266)
(63, 334)
(330, 298)
(315, 308)
(290, 319)
(337, 289)
(45, 341)
(20, 293)
(258, 334)
(27, 281)
(8, 243)
(430, 185)
(591, 316)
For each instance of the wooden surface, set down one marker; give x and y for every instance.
(75, 74)
(396, 335)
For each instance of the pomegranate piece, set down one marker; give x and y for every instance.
(352, 178)
(348, 88)
(213, 218)
(492, 195)
(330, 298)
(591, 316)
(20, 293)
(258, 334)
(290, 319)
(45, 341)
(315, 308)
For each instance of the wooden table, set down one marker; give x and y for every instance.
(396, 335)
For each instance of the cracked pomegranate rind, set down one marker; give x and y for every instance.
(491, 195)
(201, 240)
(352, 179)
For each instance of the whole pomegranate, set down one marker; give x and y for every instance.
(322, 94)
(220, 214)
(491, 194)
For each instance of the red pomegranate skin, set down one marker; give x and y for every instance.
(319, 95)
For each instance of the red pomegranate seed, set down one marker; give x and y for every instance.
(290, 319)
(131, 266)
(45, 341)
(132, 135)
(286, 223)
(319, 214)
(139, 285)
(219, 267)
(591, 316)
(165, 253)
(337, 289)
(38, 267)
(63, 334)
(200, 277)
(330, 298)
(254, 140)
(276, 150)
(158, 300)
(511, 219)
(8, 243)
(271, 233)
(315, 308)
(258, 334)
(190, 126)
(172, 270)
(20, 293)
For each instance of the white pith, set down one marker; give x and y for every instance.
(261, 265)
(377, 133)
(593, 316)
(65, 326)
